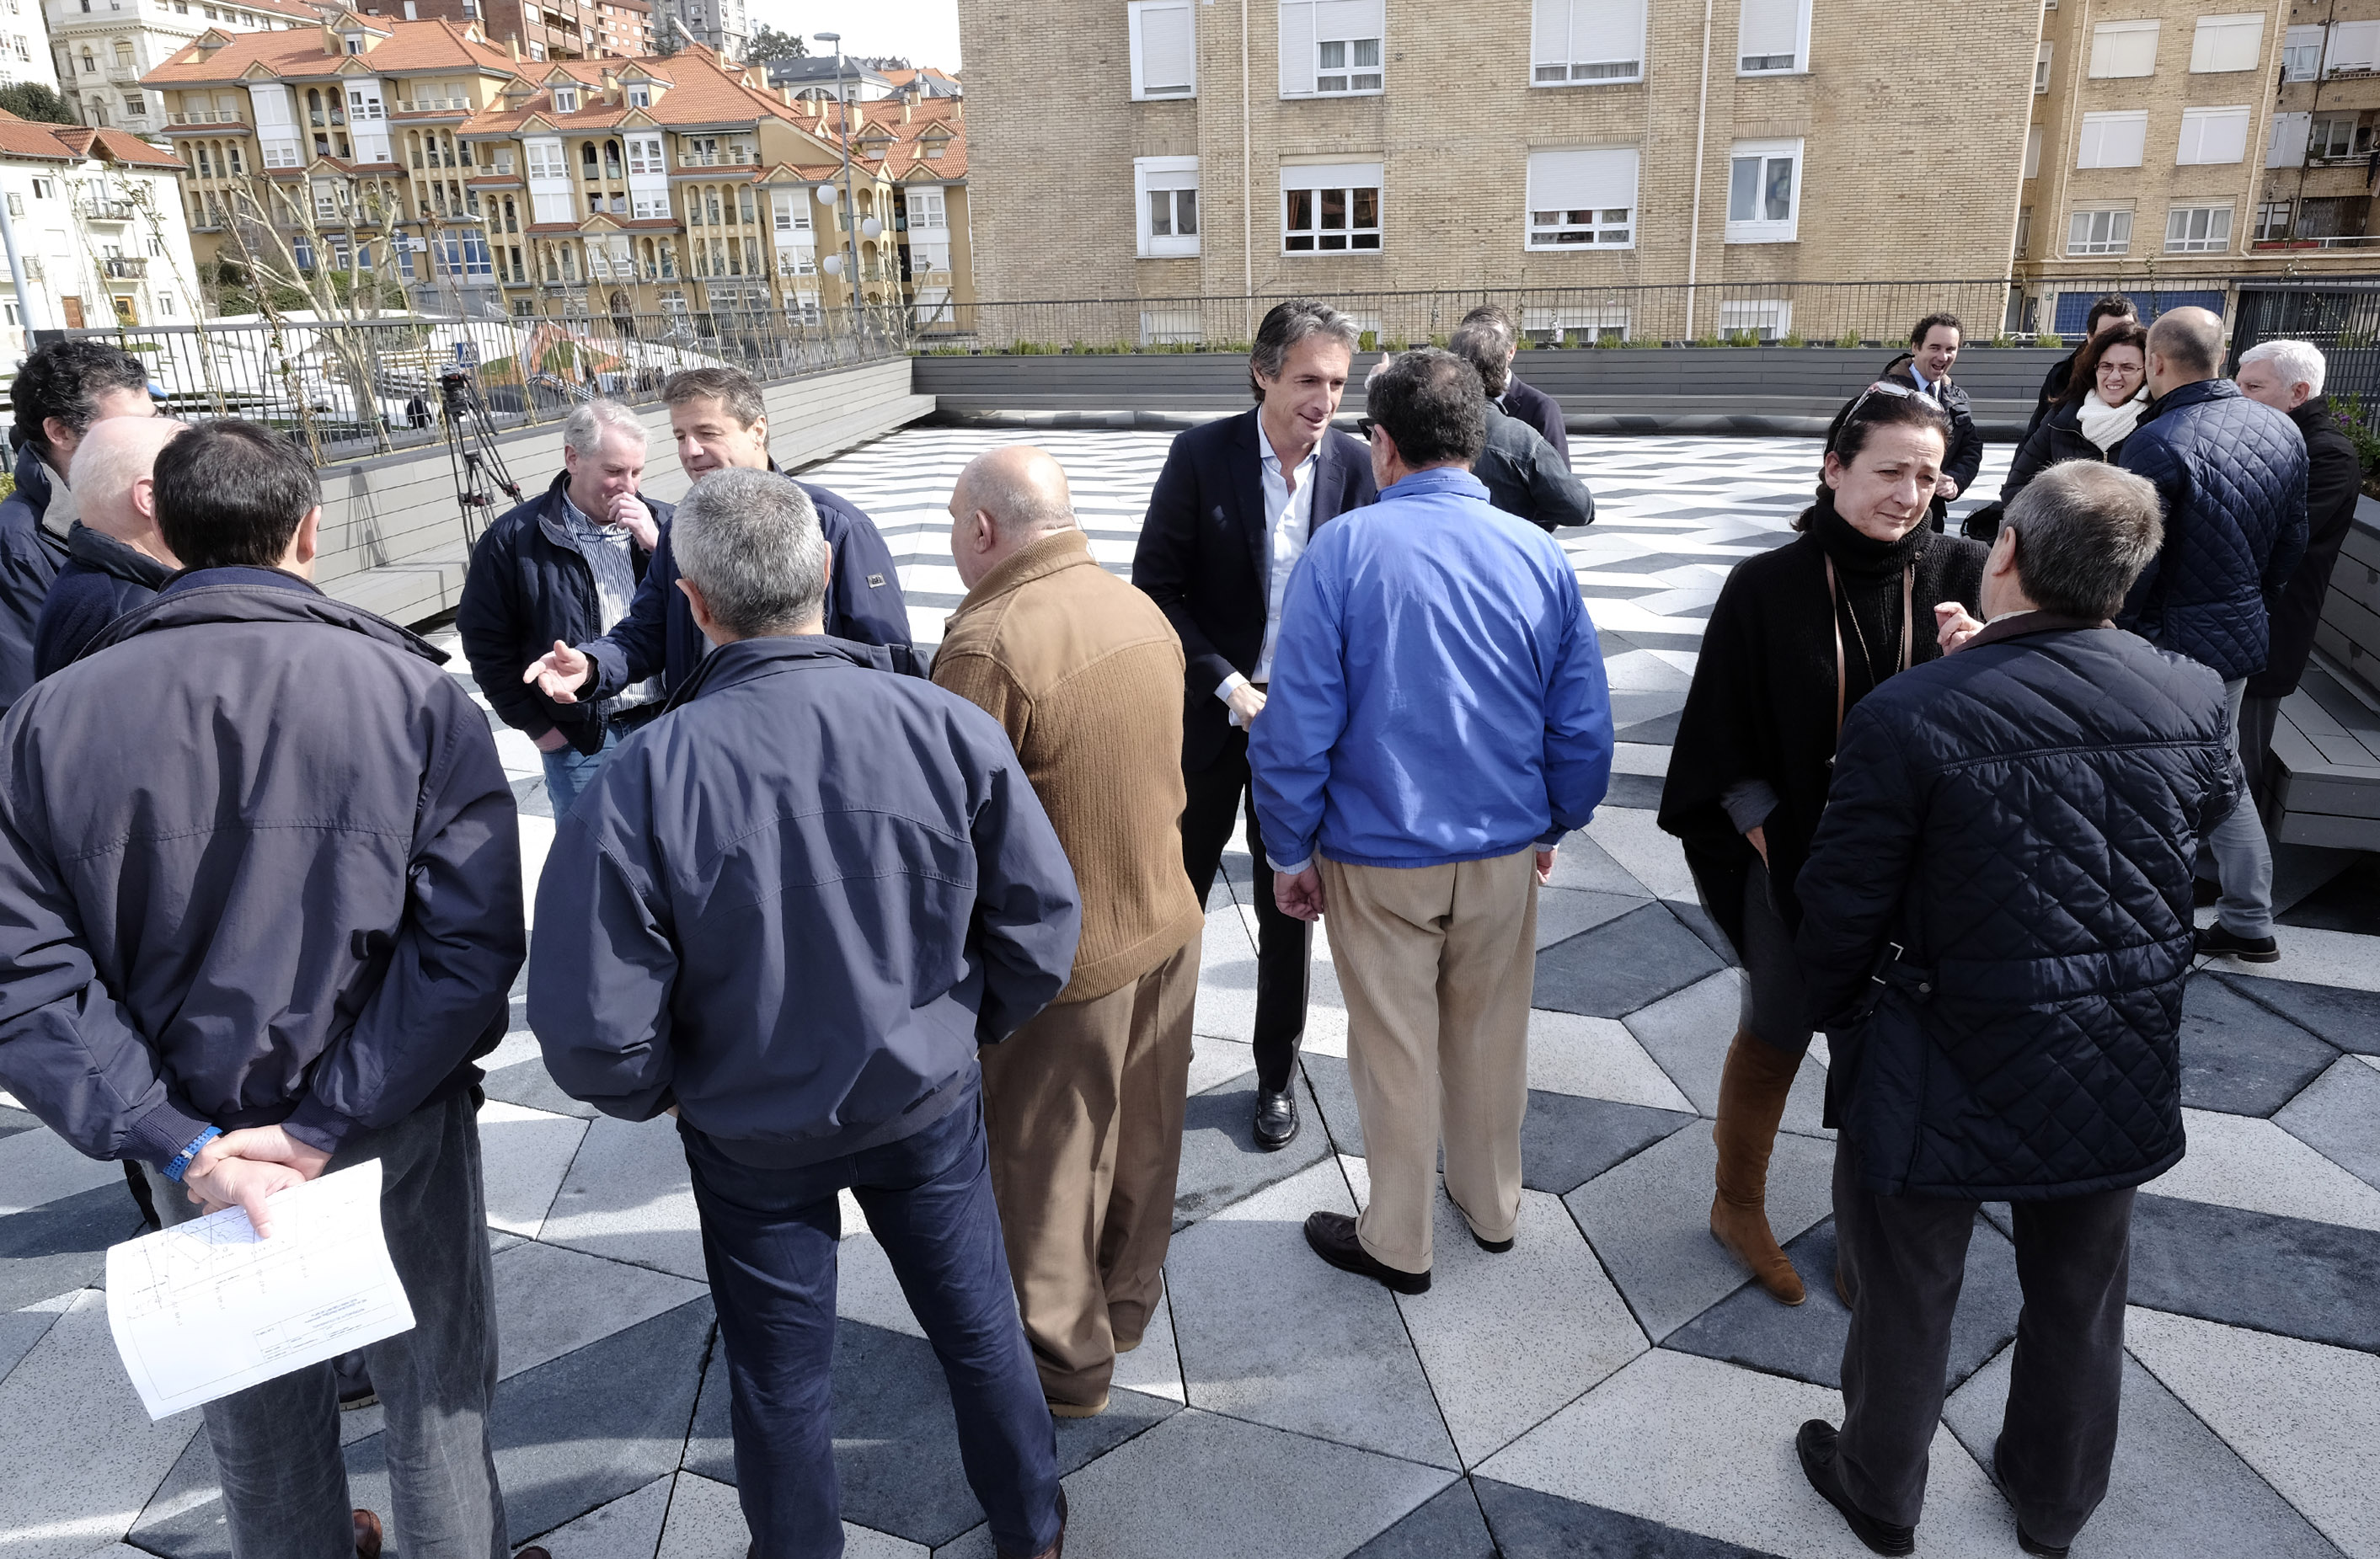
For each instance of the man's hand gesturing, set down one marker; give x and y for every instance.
(560, 673)
(628, 510)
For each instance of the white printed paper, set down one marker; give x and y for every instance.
(205, 1309)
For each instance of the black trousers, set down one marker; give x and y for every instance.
(2257, 717)
(1216, 795)
(1904, 1257)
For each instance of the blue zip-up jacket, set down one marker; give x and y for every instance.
(2232, 473)
(795, 904)
(258, 863)
(102, 580)
(29, 560)
(658, 637)
(1438, 695)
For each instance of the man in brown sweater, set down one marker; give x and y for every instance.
(1084, 1104)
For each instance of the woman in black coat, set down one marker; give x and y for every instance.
(2104, 401)
(1800, 635)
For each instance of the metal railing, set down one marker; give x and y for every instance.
(108, 210)
(348, 389)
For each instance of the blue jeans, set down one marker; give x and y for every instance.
(769, 1241)
(569, 771)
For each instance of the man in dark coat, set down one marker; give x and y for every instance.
(2288, 376)
(1525, 402)
(58, 394)
(721, 423)
(116, 558)
(240, 1005)
(564, 568)
(1933, 348)
(2232, 473)
(2025, 1045)
(1231, 513)
(2107, 307)
(1519, 469)
(789, 914)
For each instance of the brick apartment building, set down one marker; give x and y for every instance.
(546, 29)
(487, 182)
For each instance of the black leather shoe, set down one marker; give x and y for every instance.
(2025, 1540)
(1332, 1235)
(1276, 1117)
(1815, 1446)
(1493, 1247)
(2217, 942)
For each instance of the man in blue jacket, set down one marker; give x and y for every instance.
(240, 1004)
(788, 912)
(721, 423)
(1438, 719)
(2231, 474)
(1995, 932)
(562, 568)
(58, 394)
(116, 558)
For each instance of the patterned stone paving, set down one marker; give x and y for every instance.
(1611, 1387)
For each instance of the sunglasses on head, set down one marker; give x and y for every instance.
(1884, 386)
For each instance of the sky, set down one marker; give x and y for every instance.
(923, 32)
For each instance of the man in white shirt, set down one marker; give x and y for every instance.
(1231, 513)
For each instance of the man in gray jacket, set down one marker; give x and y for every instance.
(259, 909)
(788, 912)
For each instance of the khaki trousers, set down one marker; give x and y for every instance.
(1083, 1108)
(1437, 964)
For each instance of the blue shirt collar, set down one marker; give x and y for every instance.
(1438, 478)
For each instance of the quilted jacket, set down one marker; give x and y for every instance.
(2232, 473)
(2022, 818)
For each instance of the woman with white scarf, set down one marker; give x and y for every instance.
(2104, 401)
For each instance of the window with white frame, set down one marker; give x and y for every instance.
(2272, 221)
(280, 154)
(2301, 54)
(2213, 135)
(1763, 192)
(565, 100)
(1331, 48)
(2354, 45)
(1330, 208)
(2041, 55)
(2197, 229)
(2286, 146)
(545, 159)
(2123, 48)
(2024, 230)
(1608, 324)
(552, 205)
(2099, 232)
(644, 155)
(1764, 318)
(2336, 135)
(1575, 43)
(1164, 49)
(792, 209)
(1171, 327)
(1583, 197)
(640, 96)
(1772, 37)
(2033, 152)
(648, 208)
(2228, 43)
(2112, 139)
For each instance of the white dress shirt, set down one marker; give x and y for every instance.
(1289, 523)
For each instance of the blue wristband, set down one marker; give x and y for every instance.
(181, 1161)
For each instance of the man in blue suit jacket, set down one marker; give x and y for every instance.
(1234, 510)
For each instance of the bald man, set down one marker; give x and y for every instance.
(2232, 473)
(1084, 1104)
(117, 559)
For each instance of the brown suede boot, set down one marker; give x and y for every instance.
(1750, 1102)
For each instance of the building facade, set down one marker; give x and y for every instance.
(717, 25)
(98, 218)
(545, 30)
(25, 57)
(488, 184)
(1341, 147)
(103, 48)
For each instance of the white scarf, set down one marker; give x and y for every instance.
(2106, 426)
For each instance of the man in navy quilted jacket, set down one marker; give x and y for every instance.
(2232, 473)
(1995, 929)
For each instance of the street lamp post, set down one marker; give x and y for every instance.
(850, 201)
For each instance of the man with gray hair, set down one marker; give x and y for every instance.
(789, 913)
(1996, 931)
(2232, 473)
(562, 568)
(1084, 1105)
(1523, 472)
(1234, 508)
(2288, 376)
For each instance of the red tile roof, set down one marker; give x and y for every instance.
(68, 143)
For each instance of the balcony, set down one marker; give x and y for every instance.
(205, 116)
(123, 74)
(108, 210)
(433, 105)
(127, 269)
(317, 116)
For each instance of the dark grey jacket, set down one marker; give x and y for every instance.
(258, 863)
(30, 556)
(795, 904)
(1524, 477)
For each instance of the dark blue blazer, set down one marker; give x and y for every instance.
(1540, 411)
(1203, 556)
(101, 581)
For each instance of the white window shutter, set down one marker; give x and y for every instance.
(1549, 24)
(1164, 58)
(1582, 178)
(1297, 48)
(2123, 48)
(1347, 19)
(2213, 136)
(2354, 45)
(1768, 28)
(1612, 29)
(2228, 43)
(2127, 137)
(2033, 153)
(2287, 147)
